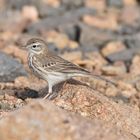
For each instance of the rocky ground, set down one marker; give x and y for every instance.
(102, 36)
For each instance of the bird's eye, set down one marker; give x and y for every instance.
(34, 46)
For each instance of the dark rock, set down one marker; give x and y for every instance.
(18, 4)
(10, 68)
(70, 4)
(53, 48)
(125, 55)
(89, 48)
(4, 106)
(54, 22)
(26, 93)
(45, 11)
(128, 30)
(69, 50)
(115, 3)
(91, 36)
(133, 41)
(73, 31)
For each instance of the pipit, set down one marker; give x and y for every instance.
(53, 68)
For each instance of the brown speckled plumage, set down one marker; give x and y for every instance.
(51, 67)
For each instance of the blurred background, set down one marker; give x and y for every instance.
(100, 35)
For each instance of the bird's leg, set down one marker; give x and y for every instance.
(49, 91)
(51, 95)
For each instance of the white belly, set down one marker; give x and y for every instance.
(55, 78)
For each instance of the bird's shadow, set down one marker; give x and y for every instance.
(31, 93)
(26, 93)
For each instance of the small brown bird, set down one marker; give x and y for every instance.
(51, 67)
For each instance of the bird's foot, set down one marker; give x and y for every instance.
(51, 96)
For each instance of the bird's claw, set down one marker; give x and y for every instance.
(51, 96)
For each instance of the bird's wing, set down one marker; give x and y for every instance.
(54, 63)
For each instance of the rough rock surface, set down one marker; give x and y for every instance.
(89, 103)
(42, 120)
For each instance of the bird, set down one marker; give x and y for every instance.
(53, 68)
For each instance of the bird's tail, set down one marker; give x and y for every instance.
(104, 79)
(90, 75)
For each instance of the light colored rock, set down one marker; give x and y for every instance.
(73, 44)
(42, 120)
(16, 52)
(83, 100)
(52, 3)
(31, 82)
(138, 85)
(135, 66)
(61, 40)
(30, 13)
(97, 4)
(97, 58)
(105, 21)
(72, 56)
(127, 90)
(112, 47)
(111, 91)
(130, 2)
(117, 69)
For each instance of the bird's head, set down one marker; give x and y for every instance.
(36, 46)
